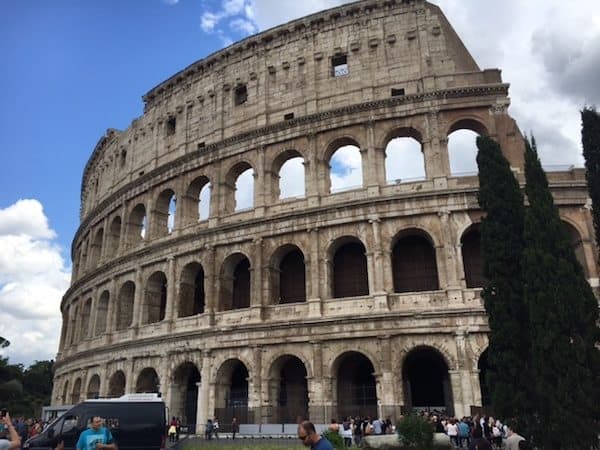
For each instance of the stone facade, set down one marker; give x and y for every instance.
(335, 303)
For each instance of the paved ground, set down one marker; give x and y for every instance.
(199, 442)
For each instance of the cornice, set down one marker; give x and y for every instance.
(311, 119)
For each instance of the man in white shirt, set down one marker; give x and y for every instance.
(513, 439)
(15, 441)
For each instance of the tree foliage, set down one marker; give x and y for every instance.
(24, 391)
(563, 314)
(590, 138)
(502, 245)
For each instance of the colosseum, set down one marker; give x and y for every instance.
(323, 303)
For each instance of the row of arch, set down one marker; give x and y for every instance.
(424, 377)
(404, 162)
(413, 263)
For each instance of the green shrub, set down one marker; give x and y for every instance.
(415, 431)
(337, 441)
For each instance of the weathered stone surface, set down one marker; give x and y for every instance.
(131, 319)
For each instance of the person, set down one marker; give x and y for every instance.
(208, 430)
(173, 430)
(452, 431)
(235, 427)
(464, 430)
(216, 428)
(513, 438)
(346, 431)
(334, 426)
(309, 437)
(478, 442)
(377, 429)
(14, 440)
(97, 437)
(357, 431)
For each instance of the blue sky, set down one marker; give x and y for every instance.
(72, 69)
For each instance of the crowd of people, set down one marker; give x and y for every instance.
(472, 433)
(24, 428)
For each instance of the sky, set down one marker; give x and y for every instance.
(72, 69)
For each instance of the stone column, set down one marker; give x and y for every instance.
(374, 163)
(315, 307)
(216, 192)
(311, 164)
(256, 300)
(210, 283)
(93, 314)
(435, 152)
(171, 307)
(385, 381)
(138, 298)
(460, 409)
(255, 384)
(317, 401)
(203, 412)
(130, 376)
(378, 293)
(260, 185)
(105, 238)
(104, 377)
(122, 244)
(111, 310)
(464, 370)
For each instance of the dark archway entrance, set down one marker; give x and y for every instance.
(185, 394)
(472, 258)
(147, 381)
(350, 277)
(232, 393)
(427, 381)
(414, 265)
(356, 386)
(288, 390)
(116, 384)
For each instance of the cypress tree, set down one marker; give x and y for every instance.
(590, 137)
(563, 314)
(502, 246)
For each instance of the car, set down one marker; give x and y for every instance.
(136, 421)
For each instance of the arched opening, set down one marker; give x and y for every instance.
(288, 389)
(65, 393)
(462, 147)
(125, 305)
(114, 235)
(414, 265)
(196, 203)
(577, 245)
(102, 313)
(404, 161)
(291, 178)
(96, 250)
(116, 384)
(472, 258)
(244, 190)
(350, 277)
(235, 283)
(76, 393)
(191, 290)
(483, 367)
(155, 299)
(289, 276)
(93, 390)
(136, 228)
(345, 169)
(85, 319)
(147, 381)
(231, 396)
(356, 386)
(184, 403)
(163, 216)
(427, 381)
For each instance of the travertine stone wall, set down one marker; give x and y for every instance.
(192, 133)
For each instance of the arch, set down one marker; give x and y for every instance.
(288, 389)
(349, 272)
(116, 384)
(426, 380)
(414, 264)
(184, 393)
(136, 226)
(155, 298)
(76, 392)
(291, 175)
(577, 245)
(96, 250)
(235, 283)
(196, 202)
(345, 165)
(191, 290)
(462, 146)
(355, 385)
(101, 313)
(483, 367)
(125, 305)
(239, 187)
(93, 389)
(164, 213)
(289, 276)
(65, 393)
(231, 391)
(404, 159)
(472, 257)
(147, 381)
(86, 313)
(114, 235)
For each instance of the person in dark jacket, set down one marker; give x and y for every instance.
(479, 442)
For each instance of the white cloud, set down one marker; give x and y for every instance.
(208, 21)
(244, 190)
(404, 160)
(33, 278)
(291, 178)
(243, 26)
(171, 2)
(346, 168)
